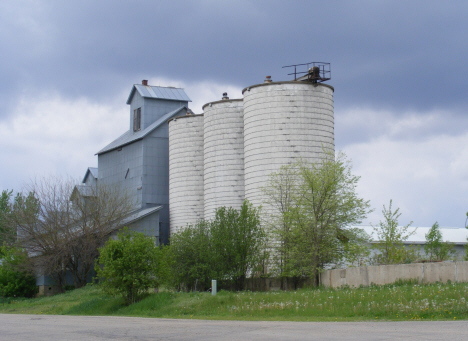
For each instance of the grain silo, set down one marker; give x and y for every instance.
(224, 155)
(284, 121)
(185, 170)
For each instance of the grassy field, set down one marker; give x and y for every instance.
(390, 302)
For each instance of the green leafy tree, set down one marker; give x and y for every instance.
(165, 266)
(127, 266)
(391, 237)
(238, 242)
(193, 257)
(7, 232)
(356, 249)
(15, 281)
(323, 205)
(280, 195)
(229, 248)
(435, 248)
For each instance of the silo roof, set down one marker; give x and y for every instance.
(159, 92)
(130, 136)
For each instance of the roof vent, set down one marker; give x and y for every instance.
(225, 96)
(144, 82)
(268, 79)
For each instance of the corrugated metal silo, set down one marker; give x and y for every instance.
(284, 121)
(224, 155)
(185, 171)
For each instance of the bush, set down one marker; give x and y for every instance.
(228, 248)
(14, 281)
(192, 252)
(127, 266)
(435, 248)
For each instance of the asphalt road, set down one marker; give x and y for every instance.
(51, 328)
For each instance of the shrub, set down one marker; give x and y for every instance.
(127, 266)
(435, 248)
(14, 281)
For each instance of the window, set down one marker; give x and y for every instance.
(137, 119)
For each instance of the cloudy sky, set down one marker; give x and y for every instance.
(399, 69)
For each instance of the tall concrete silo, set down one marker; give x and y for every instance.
(185, 170)
(284, 121)
(224, 155)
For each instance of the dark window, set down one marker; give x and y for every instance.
(137, 119)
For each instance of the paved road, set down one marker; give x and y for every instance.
(51, 328)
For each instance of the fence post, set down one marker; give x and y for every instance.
(213, 287)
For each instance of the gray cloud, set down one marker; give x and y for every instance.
(398, 69)
(384, 54)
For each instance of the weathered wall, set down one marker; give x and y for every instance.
(284, 122)
(185, 171)
(223, 155)
(123, 169)
(152, 109)
(386, 274)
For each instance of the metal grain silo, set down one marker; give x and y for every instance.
(224, 155)
(185, 171)
(284, 121)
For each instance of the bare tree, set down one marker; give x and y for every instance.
(62, 225)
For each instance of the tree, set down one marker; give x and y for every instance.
(391, 238)
(435, 248)
(356, 249)
(127, 266)
(322, 206)
(238, 242)
(7, 234)
(228, 248)
(62, 228)
(280, 193)
(14, 280)
(192, 253)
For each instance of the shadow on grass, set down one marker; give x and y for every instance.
(154, 305)
(97, 306)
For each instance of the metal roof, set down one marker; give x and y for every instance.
(84, 191)
(91, 170)
(449, 234)
(159, 92)
(131, 136)
(139, 214)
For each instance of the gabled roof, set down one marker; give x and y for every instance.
(131, 136)
(83, 191)
(91, 170)
(139, 214)
(159, 92)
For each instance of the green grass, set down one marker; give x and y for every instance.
(403, 301)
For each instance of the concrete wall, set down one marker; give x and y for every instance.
(283, 122)
(223, 155)
(185, 171)
(387, 274)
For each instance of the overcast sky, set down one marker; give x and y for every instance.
(399, 69)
